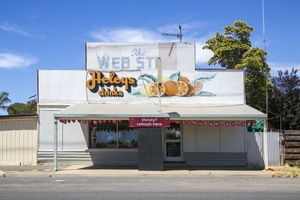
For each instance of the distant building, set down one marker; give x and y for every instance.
(18, 139)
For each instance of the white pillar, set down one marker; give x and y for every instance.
(55, 164)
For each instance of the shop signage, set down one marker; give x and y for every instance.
(137, 58)
(109, 84)
(149, 122)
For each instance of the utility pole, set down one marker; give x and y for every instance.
(265, 134)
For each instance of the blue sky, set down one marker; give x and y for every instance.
(51, 34)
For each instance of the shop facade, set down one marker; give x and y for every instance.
(141, 103)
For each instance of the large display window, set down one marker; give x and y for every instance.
(113, 134)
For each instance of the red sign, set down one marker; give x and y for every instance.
(149, 122)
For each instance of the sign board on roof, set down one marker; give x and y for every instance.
(139, 56)
(128, 73)
(187, 87)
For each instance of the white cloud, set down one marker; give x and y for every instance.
(203, 55)
(275, 67)
(190, 27)
(125, 35)
(9, 61)
(13, 28)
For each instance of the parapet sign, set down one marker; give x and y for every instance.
(140, 56)
(149, 122)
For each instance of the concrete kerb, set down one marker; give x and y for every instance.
(85, 170)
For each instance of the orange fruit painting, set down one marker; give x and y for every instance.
(171, 88)
(154, 89)
(184, 79)
(183, 88)
(173, 85)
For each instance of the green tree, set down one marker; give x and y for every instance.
(233, 50)
(284, 100)
(4, 100)
(257, 74)
(32, 106)
(17, 109)
(23, 109)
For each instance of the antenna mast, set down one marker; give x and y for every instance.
(178, 35)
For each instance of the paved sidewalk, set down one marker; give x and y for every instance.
(46, 170)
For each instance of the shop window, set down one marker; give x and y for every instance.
(173, 132)
(114, 135)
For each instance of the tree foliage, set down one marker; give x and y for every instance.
(257, 74)
(23, 109)
(228, 48)
(32, 106)
(4, 100)
(233, 50)
(284, 100)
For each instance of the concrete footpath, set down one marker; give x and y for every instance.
(46, 170)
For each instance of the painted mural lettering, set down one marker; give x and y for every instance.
(137, 52)
(123, 63)
(111, 93)
(137, 58)
(109, 84)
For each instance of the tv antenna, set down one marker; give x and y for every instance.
(178, 35)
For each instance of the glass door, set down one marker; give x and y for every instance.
(173, 146)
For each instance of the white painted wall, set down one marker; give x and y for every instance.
(62, 86)
(74, 136)
(71, 136)
(46, 130)
(213, 139)
(232, 139)
(207, 139)
(189, 138)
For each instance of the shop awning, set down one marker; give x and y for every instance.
(176, 112)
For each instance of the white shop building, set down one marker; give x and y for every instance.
(106, 113)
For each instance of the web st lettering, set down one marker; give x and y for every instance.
(123, 63)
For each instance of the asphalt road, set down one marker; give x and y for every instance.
(71, 188)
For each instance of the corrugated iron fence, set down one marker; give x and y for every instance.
(273, 149)
(18, 141)
(255, 149)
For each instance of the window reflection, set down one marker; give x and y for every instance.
(173, 133)
(128, 138)
(114, 135)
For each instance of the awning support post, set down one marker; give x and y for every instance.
(159, 78)
(55, 164)
(265, 145)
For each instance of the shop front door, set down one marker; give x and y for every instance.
(173, 145)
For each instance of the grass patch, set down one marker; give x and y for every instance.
(284, 171)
